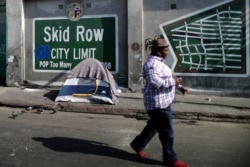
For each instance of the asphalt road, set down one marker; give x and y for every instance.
(67, 139)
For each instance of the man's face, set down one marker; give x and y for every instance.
(164, 52)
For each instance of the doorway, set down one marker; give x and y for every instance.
(3, 41)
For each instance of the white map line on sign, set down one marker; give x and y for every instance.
(217, 31)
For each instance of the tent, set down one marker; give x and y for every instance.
(89, 82)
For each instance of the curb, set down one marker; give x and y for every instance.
(127, 112)
(215, 117)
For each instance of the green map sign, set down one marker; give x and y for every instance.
(211, 42)
(60, 44)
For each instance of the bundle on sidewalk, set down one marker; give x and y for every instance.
(90, 81)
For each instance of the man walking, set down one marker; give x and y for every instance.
(159, 93)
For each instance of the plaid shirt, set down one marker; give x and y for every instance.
(159, 91)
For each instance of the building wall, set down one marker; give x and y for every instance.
(155, 14)
(33, 9)
(236, 82)
(137, 21)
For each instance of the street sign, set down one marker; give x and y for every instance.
(60, 44)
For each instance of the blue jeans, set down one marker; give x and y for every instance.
(161, 122)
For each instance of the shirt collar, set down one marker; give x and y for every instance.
(157, 58)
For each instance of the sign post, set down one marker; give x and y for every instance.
(60, 44)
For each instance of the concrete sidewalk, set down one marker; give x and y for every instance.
(190, 107)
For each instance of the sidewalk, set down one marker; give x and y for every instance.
(191, 107)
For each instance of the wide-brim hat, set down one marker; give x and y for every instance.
(159, 43)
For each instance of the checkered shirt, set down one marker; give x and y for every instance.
(159, 90)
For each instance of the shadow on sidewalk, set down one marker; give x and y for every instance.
(51, 94)
(64, 144)
(2, 82)
(135, 98)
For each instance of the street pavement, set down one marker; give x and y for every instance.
(67, 139)
(202, 106)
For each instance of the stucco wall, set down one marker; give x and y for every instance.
(155, 14)
(137, 21)
(15, 42)
(50, 9)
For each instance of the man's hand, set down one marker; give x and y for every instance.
(178, 80)
(183, 90)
